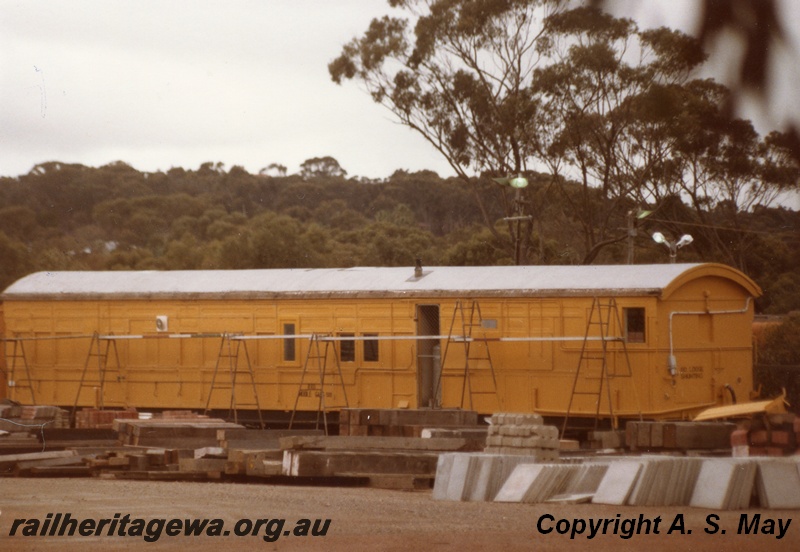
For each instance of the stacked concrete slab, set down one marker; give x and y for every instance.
(522, 434)
(665, 482)
(715, 483)
(473, 476)
(724, 484)
(617, 483)
(534, 483)
(778, 483)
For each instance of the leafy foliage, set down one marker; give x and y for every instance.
(210, 218)
(501, 88)
(778, 360)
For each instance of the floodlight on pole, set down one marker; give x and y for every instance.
(673, 247)
(633, 218)
(519, 182)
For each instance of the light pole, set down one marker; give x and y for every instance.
(633, 218)
(518, 183)
(673, 247)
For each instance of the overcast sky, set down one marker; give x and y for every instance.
(161, 84)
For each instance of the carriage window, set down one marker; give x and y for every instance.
(288, 343)
(348, 348)
(371, 348)
(634, 325)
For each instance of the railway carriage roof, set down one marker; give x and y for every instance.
(510, 281)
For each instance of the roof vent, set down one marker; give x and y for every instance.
(419, 273)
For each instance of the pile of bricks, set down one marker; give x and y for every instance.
(92, 418)
(17, 417)
(771, 435)
(522, 434)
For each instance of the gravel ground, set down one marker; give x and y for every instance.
(360, 519)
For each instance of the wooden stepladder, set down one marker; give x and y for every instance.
(100, 350)
(319, 347)
(593, 377)
(230, 350)
(475, 349)
(17, 365)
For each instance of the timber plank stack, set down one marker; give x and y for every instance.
(21, 426)
(15, 418)
(171, 433)
(679, 436)
(93, 418)
(381, 448)
(399, 422)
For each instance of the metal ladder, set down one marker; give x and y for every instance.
(318, 349)
(18, 355)
(229, 350)
(101, 354)
(593, 363)
(467, 317)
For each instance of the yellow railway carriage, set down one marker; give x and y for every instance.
(614, 341)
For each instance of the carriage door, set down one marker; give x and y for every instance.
(428, 357)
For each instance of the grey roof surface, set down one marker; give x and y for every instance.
(351, 282)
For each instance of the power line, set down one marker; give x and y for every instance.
(727, 228)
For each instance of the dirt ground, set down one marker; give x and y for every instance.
(360, 519)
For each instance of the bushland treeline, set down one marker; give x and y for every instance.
(63, 216)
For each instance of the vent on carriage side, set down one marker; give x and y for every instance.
(162, 323)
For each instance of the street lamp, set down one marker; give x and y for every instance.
(633, 218)
(518, 183)
(673, 247)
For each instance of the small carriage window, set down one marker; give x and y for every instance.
(348, 348)
(288, 343)
(371, 348)
(635, 323)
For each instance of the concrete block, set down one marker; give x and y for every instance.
(724, 484)
(698, 435)
(740, 451)
(444, 467)
(778, 484)
(643, 433)
(657, 435)
(632, 435)
(518, 483)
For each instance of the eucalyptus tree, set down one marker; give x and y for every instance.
(460, 73)
(504, 87)
(601, 102)
(718, 167)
